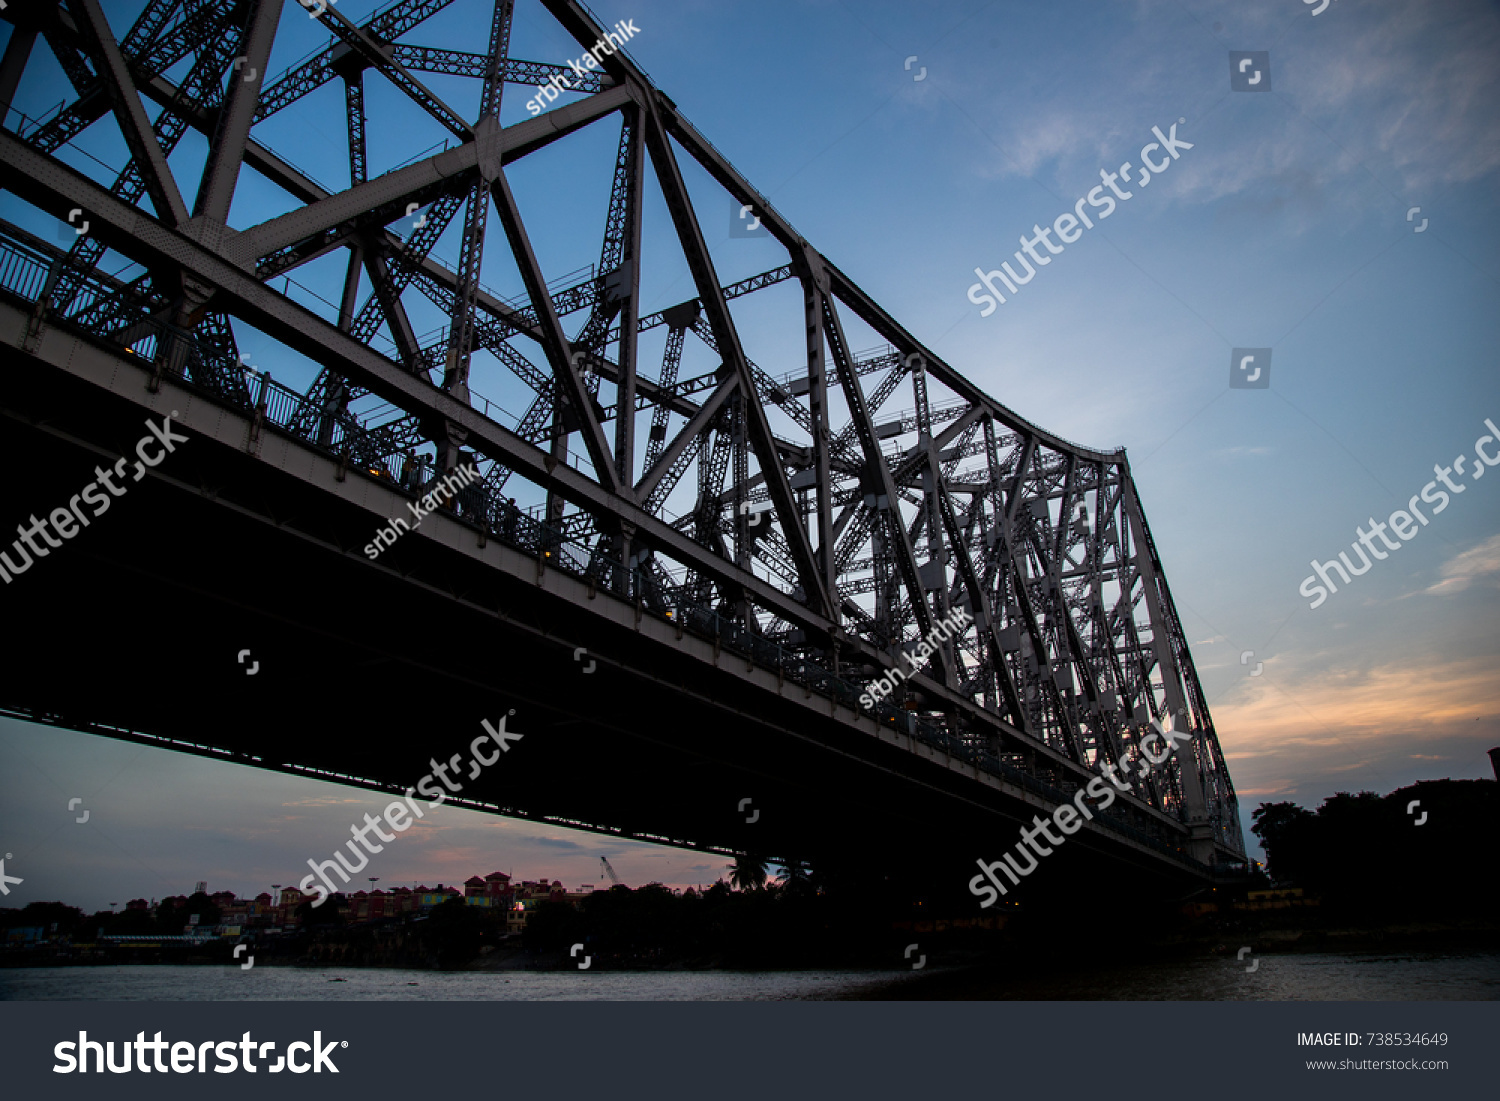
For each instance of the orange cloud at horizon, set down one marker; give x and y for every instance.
(1284, 737)
(1360, 702)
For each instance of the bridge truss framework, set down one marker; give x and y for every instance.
(824, 534)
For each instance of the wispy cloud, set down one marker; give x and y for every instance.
(557, 843)
(1476, 566)
(1420, 84)
(1410, 88)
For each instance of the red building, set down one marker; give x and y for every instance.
(493, 891)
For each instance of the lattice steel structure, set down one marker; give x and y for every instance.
(824, 531)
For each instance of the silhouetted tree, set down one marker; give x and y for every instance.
(553, 925)
(132, 922)
(200, 904)
(1283, 829)
(43, 914)
(324, 915)
(1368, 859)
(747, 873)
(453, 931)
(796, 877)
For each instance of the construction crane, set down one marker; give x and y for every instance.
(615, 879)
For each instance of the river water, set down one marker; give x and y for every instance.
(1326, 977)
(175, 982)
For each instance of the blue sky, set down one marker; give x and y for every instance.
(1284, 227)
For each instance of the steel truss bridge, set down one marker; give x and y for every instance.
(685, 654)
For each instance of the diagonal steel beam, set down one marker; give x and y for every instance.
(690, 236)
(554, 342)
(93, 98)
(476, 215)
(381, 199)
(877, 473)
(689, 432)
(72, 61)
(147, 26)
(227, 150)
(983, 615)
(386, 25)
(13, 64)
(126, 101)
(377, 57)
(629, 177)
(1163, 615)
(388, 300)
(817, 405)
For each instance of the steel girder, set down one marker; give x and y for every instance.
(874, 534)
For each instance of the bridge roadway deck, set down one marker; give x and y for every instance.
(369, 670)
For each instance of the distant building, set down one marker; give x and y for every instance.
(383, 905)
(492, 892)
(530, 894)
(435, 896)
(275, 911)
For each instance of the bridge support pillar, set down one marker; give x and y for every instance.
(1201, 840)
